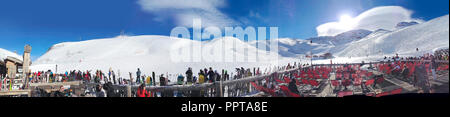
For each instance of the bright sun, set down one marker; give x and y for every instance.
(345, 18)
(346, 21)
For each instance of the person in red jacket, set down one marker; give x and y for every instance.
(142, 92)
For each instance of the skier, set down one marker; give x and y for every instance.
(110, 73)
(138, 76)
(189, 75)
(201, 77)
(205, 71)
(148, 80)
(162, 80)
(113, 77)
(153, 79)
(211, 75)
(180, 80)
(217, 76)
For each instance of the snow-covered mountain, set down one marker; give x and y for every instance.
(153, 53)
(404, 40)
(325, 44)
(149, 53)
(426, 37)
(5, 53)
(405, 24)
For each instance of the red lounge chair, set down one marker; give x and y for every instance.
(357, 82)
(382, 94)
(369, 82)
(286, 90)
(313, 82)
(442, 68)
(304, 81)
(256, 86)
(354, 76)
(346, 82)
(297, 82)
(325, 75)
(344, 93)
(338, 76)
(335, 83)
(278, 80)
(310, 75)
(346, 75)
(316, 76)
(380, 80)
(396, 91)
(370, 94)
(287, 80)
(294, 94)
(303, 74)
(369, 74)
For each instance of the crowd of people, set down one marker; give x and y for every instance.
(405, 67)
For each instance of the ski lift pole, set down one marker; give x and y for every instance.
(311, 58)
(311, 55)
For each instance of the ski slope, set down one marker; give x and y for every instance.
(426, 36)
(404, 40)
(155, 53)
(149, 53)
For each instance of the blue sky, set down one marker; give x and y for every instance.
(42, 23)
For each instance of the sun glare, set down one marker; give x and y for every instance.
(346, 21)
(345, 18)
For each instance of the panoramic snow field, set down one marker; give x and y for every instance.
(159, 53)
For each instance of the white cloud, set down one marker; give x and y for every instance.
(385, 17)
(184, 11)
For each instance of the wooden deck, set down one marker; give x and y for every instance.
(15, 92)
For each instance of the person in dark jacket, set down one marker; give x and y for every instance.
(217, 76)
(109, 90)
(99, 91)
(189, 75)
(422, 77)
(59, 93)
(434, 66)
(162, 80)
(211, 75)
(293, 87)
(153, 79)
(138, 76)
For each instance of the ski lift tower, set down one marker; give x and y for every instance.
(311, 55)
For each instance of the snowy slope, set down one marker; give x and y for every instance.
(425, 36)
(5, 53)
(362, 43)
(320, 45)
(149, 53)
(153, 53)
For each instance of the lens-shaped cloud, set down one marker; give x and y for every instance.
(385, 17)
(184, 11)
